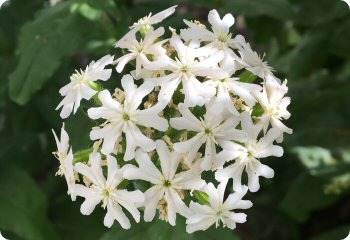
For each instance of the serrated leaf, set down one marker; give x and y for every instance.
(55, 34)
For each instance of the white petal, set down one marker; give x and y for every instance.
(114, 177)
(187, 180)
(213, 194)
(188, 121)
(152, 197)
(179, 206)
(209, 154)
(149, 118)
(228, 20)
(168, 88)
(191, 146)
(147, 170)
(233, 171)
(94, 172)
(162, 15)
(128, 86)
(110, 134)
(134, 137)
(92, 198)
(127, 200)
(168, 162)
(214, 20)
(115, 211)
(239, 217)
(265, 171)
(123, 60)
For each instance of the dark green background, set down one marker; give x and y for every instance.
(306, 41)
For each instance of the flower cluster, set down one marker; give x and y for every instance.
(200, 101)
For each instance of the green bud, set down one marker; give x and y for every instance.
(82, 156)
(201, 197)
(144, 30)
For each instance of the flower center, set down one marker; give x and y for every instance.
(105, 193)
(78, 77)
(167, 183)
(222, 38)
(126, 117)
(207, 131)
(185, 69)
(274, 111)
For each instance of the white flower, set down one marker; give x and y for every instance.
(212, 130)
(274, 103)
(185, 69)
(247, 156)
(125, 118)
(251, 60)
(167, 184)
(64, 154)
(157, 18)
(217, 210)
(107, 192)
(79, 87)
(219, 38)
(232, 85)
(140, 49)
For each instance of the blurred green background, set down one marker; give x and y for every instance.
(306, 41)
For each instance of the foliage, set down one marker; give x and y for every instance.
(305, 42)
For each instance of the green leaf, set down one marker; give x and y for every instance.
(306, 56)
(70, 223)
(82, 156)
(257, 110)
(340, 40)
(327, 121)
(214, 233)
(305, 195)
(155, 230)
(279, 9)
(247, 77)
(23, 206)
(310, 13)
(340, 232)
(313, 157)
(88, 12)
(43, 44)
(160, 230)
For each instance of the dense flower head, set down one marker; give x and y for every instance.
(200, 101)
